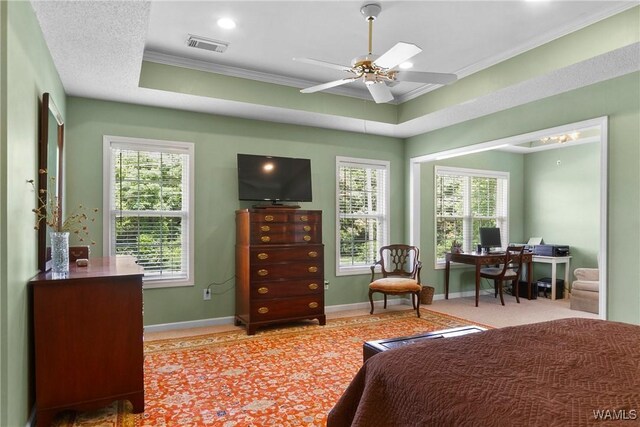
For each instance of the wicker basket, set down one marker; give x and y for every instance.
(426, 295)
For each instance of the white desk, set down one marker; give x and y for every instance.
(554, 261)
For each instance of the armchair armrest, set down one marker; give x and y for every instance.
(373, 270)
(418, 268)
(587, 274)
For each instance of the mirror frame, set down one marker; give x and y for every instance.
(48, 107)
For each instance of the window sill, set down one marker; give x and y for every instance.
(161, 284)
(354, 271)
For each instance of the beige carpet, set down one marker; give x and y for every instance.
(491, 312)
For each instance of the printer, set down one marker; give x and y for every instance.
(551, 250)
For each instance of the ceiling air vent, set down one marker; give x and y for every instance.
(207, 44)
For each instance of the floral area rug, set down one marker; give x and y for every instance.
(286, 376)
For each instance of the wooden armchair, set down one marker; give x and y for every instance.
(508, 271)
(400, 266)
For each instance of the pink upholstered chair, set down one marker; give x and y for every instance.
(400, 267)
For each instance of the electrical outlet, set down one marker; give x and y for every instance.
(326, 285)
(207, 295)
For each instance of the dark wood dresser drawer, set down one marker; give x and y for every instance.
(298, 217)
(301, 270)
(305, 217)
(269, 255)
(288, 288)
(268, 217)
(287, 307)
(285, 233)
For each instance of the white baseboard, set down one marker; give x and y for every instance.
(457, 295)
(32, 418)
(215, 321)
(189, 324)
(364, 305)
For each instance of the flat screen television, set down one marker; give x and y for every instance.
(490, 237)
(276, 179)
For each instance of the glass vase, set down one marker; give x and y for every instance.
(59, 252)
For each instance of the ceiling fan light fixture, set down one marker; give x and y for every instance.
(561, 139)
(226, 23)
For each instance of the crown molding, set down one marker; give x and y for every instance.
(531, 44)
(199, 65)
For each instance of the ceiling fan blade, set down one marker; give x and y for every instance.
(323, 64)
(380, 93)
(328, 85)
(424, 77)
(397, 55)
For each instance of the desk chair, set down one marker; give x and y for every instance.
(400, 274)
(508, 271)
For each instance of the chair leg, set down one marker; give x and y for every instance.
(413, 300)
(495, 288)
(515, 285)
(371, 300)
(385, 301)
(500, 290)
(417, 307)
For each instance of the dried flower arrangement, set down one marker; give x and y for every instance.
(48, 211)
(456, 247)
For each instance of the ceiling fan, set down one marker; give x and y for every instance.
(376, 71)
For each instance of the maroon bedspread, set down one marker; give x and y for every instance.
(566, 372)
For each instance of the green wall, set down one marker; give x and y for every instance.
(616, 98)
(495, 161)
(217, 141)
(562, 202)
(29, 71)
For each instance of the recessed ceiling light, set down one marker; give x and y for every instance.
(226, 23)
(406, 65)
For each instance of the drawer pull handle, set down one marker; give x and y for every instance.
(265, 228)
(265, 239)
(263, 290)
(263, 272)
(307, 228)
(313, 254)
(304, 218)
(268, 217)
(313, 286)
(263, 255)
(263, 310)
(312, 269)
(306, 238)
(313, 305)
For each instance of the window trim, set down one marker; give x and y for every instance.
(360, 162)
(107, 181)
(483, 173)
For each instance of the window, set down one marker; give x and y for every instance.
(149, 207)
(362, 217)
(465, 200)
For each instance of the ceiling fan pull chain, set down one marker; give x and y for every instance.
(370, 19)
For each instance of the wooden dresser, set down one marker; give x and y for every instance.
(279, 266)
(88, 336)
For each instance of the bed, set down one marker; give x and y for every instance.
(569, 372)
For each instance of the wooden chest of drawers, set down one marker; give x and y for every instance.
(88, 337)
(279, 266)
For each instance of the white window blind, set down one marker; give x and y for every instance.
(465, 201)
(362, 190)
(150, 209)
